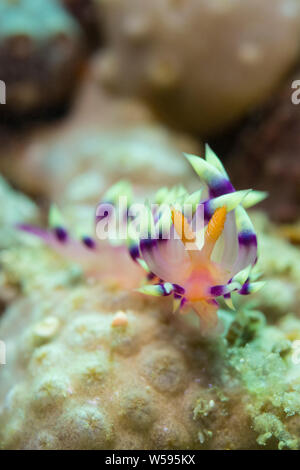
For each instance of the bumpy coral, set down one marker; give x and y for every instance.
(78, 378)
(94, 367)
(15, 207)
(40, 55)
(268, 367)
(201, 64)
(117, 382)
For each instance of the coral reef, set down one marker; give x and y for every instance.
(40, 55)
(269, 146)
(91, 361)
(78, 409)
(97, 367)
(15, 207)
(279, 262)
(201, 64)
(79, 377)
(269, 371)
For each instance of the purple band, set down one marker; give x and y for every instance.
(220, 188)
(89, 242)
(208, 212)
(134, 252)
(245, 289)
(178, 289)
(151, 276)
(247, 239)
(217, 291)
(61, 234)
(165, 292)
(147, 243)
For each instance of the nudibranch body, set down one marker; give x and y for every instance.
(100, 259)
(197, 277)
(195, 274)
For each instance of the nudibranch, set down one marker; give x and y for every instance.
(105, 260)
(197, 277)
(195, 270)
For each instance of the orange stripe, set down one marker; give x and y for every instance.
(216, 225)
(182, 227)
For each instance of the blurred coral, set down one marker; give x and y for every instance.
(41, 54)
(102, 140)
(93, 363)
(85, 12)
(15, 208)
(201, 64)
(266, 154)
(280, 263)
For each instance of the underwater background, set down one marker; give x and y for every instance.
(139, 345)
